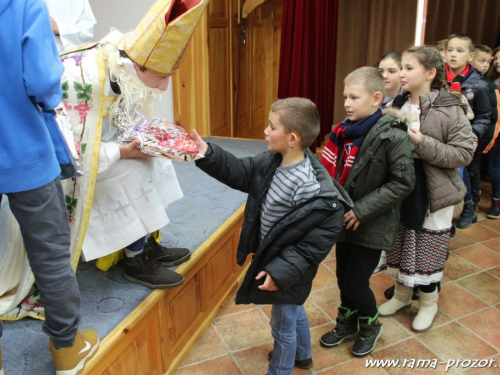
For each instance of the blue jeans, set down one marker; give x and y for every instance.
(292, 340)
(137, 245)
(494, 170)
(43, 219)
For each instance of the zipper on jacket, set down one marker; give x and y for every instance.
(272, 233)
(402, 168)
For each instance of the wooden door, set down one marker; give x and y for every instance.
(241, 74)
(219, 47)
(255, 67)
(258, 77)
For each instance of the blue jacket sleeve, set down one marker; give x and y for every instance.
(41, 65)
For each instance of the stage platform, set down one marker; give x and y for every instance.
(146, 331)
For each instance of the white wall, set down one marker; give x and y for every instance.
(124, 16)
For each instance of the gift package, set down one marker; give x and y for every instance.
(158, 136)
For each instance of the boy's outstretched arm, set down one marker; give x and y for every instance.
(235, 172)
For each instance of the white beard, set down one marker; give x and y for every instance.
(135, 96)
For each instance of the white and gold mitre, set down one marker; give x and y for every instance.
(160, 39)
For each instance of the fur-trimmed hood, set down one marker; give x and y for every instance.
(403, 117)
(436, 98)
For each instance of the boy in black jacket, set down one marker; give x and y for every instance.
(488, 142)
(462, 76)
(293, 215)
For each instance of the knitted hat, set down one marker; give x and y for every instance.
(159, 41)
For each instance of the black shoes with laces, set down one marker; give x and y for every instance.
(167, 256)
(145, 270)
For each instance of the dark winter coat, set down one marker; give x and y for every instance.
(381, 177)
(475, 89)
(488, 139)
(295, 246)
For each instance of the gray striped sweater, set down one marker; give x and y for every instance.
(291, 186)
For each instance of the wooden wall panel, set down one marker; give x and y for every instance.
(143, 354)
(220, 69)
(219, 82)
(241, 78)
(258, 67)
(258, 79)
(190, 84)
(276, 43)
(218, 8)
(182, 312)
(159, 333)
(220, 270)
(224, 87)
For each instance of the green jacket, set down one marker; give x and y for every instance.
(381, 177)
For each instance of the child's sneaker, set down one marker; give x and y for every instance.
(303, 363)
(72, 360)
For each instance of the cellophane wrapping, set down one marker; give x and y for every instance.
(158, 136)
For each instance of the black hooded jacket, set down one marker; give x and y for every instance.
(295, 246)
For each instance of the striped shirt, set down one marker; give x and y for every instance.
(291, 186)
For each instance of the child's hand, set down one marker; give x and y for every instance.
(200, 143)
(268, 284)
(415, 135)
(350, 219)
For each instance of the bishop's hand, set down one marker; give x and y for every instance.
(131, 150)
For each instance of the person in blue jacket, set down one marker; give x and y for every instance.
(29, 175)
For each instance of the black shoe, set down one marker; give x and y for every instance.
(142, 269)
(453, 231)
(494, 211)
(304, 363)
(370, 330)
(468, 216)
(389, 293)
(167, 256)
(347, 326)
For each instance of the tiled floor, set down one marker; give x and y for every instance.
(467, 325)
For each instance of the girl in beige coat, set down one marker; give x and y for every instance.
(444, 142)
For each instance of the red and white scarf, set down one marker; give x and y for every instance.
(344, 143)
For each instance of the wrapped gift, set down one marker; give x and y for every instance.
(158, 136)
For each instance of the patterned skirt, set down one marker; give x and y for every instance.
(419, 255)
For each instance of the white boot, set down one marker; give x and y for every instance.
(427, 311)
(400, 301)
